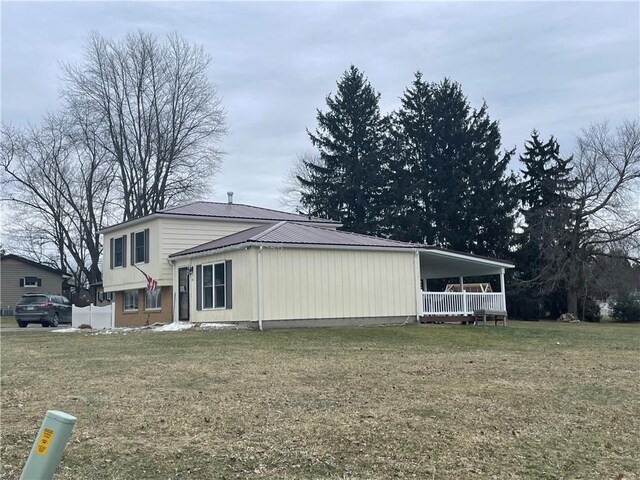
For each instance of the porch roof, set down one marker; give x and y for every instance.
(441, 263)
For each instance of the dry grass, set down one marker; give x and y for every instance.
(8, 321)
(536, 400)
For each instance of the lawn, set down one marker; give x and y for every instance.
(8, 321)
(532, 400)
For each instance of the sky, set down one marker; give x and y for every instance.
(552, 66)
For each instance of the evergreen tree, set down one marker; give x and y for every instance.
(347, 184)
(546, 206)
(454, 192)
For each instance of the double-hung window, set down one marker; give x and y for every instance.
(214, 288)
(139, 247)
(152, 299)
(130, 300)
(118, 252)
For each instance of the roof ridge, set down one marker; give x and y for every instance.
(267, 231)
(359, 234)
(310, 217)
(164, 210)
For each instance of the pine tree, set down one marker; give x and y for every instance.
(454, 190)
(546, 207)
(410, 216)
(347, 184)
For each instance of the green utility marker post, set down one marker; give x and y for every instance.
(47, 449)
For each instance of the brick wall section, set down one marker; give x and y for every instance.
(142, 317)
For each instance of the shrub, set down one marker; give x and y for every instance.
(589, 310)
(626, 308)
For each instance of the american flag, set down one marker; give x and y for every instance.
(151, 283)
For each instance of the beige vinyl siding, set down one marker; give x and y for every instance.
(182, 233)
(12, 270)
(243, 287)
(128, 278)
(166, 236)
(333, 283)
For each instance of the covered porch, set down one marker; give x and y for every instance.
(436, 263)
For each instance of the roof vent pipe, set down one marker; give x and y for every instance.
(230, 198)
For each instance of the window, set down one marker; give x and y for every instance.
(130, 300)
(139, 246)
(214, 286)
(152, 299)
(118, 252)
(30, 282)
(104, 296)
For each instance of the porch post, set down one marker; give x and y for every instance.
(175, 294)
(464, 296)
(416, 279)
(504, 298)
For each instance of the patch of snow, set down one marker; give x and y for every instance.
(156, 327)
(216, 325)
(66, 330)
(174, 327)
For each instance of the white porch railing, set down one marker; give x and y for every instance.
(460, 303)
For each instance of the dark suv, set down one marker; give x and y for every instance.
(47, 310)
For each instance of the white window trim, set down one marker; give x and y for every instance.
(135, 254)
(213, 285)
(124, 301)
(114, 252)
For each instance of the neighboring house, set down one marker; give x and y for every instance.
(225, 262)
(20, 275)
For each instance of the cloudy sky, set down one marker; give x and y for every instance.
(556, 67)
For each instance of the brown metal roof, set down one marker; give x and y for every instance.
(226, 211)
(296, 234)
(240, 211)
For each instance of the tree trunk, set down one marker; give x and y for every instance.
(572, 300)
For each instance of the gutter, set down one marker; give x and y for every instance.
(311, 246)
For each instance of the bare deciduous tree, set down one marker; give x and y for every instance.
(292, 189)
(606, 215)
(158, 116)
(138, 131)
(60, 189)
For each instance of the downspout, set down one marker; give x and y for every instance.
(259, 279)
(416, 279)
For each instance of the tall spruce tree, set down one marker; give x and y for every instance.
(347, 183)
(546, 208)
(453, 188)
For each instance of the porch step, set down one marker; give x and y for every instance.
(451, 319)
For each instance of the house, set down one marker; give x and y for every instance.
(226, 262)
(19, 275)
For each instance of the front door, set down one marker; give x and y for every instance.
(183, 294)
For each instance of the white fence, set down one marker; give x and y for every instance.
(97, 317)
(460, 303)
